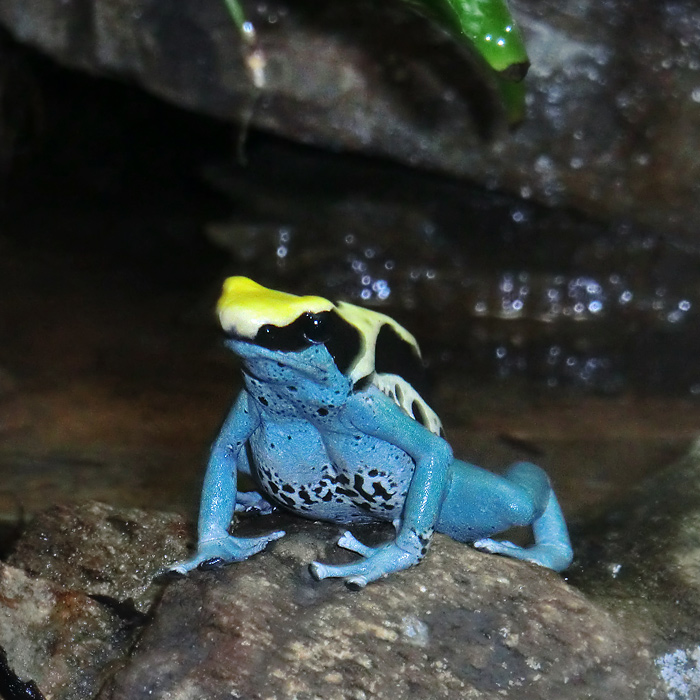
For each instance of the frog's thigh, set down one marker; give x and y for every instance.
(480, 503)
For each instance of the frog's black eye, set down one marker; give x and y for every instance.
(342, 340)
(308, 329)
(315, 327)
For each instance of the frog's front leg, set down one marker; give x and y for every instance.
(348, 541)
(376, 562)
(224, 550)
(374, 414)
(215, 545)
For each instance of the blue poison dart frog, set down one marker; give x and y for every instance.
(330, 425)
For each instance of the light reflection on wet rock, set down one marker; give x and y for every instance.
(642, 560)
(494, 283)
(680, 671)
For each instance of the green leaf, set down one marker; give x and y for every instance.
(490, 28)
(238, 16)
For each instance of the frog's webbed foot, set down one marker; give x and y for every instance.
(552, 555)
(376, 562)
(224, 550)
(253, 502)
(349, 541)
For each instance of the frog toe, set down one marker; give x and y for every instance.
(382, 561)
(171, 573)
(320, 571)
(556, 556)
(358, 574)
(486, 544)
(350, 571)
(356, 583)
(253, 502)
(349, 541)
(212, 554)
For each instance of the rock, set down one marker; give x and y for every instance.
(649, 547)
(644, 560)
(612, 125)
(71, 615)
(461, 625)
(62, 640)
(498, 301)
(105, 552)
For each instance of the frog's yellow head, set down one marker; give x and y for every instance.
(246, 306)
(288, 322)
(365, 345)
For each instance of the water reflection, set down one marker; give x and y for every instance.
(554, 297)
(611, 324)
(492, 283)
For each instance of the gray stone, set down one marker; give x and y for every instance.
(461, 625)
(61, 639)
(83, 583)
(649, 547)
(103, 551)
(612, 126)
(643, 560)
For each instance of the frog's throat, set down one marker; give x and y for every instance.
(245, 306)
(299, 361)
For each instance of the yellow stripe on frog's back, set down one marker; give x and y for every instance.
(245, 306)
(369, 323)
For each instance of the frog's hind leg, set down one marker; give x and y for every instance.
(490, 503)
(552, 546)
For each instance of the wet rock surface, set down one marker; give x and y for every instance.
(111, 554)
(78, 590)
(462, 624)
(612, 125)
(650, 542)
(643, 559)
(61, 639)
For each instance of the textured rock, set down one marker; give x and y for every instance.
(461, 625)
(613, 122)
(102, 551)
(649, 547)
(62, 640)
(644, 559)
(502, 298)
(69, 618)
